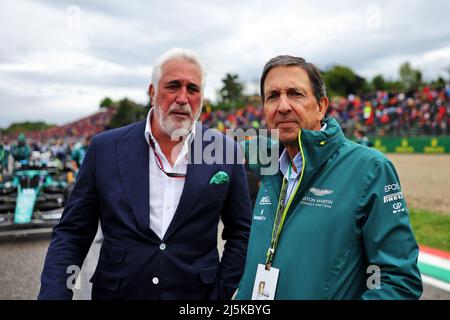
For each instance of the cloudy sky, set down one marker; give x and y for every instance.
(58, 59)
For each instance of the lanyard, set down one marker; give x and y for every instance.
(160, 164)
(279, 219)
(282, 209)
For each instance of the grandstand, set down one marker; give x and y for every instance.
(78, 129)
(424, 112)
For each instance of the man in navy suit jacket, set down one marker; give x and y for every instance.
(152, 250)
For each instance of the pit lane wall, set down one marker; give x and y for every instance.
(428, 145)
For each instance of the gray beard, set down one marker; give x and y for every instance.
(175, 129)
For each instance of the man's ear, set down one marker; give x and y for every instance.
(323, 106)
(151, 93)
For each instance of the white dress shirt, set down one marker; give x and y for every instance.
(165, 192)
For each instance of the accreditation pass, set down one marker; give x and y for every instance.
(265, 283)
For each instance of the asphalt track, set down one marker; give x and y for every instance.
(21, 261)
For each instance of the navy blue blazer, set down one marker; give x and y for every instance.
(113, 186)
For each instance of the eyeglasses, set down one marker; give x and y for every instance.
(160, 166)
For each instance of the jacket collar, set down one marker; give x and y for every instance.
(317, 146)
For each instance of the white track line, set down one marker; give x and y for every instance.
(436, 283)
(434, 260)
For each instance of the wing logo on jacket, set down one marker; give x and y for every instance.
(265, 201)
(320, 192)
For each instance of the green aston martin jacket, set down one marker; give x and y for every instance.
(346, 234)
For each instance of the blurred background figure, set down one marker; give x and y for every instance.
(361, 138)
(79, 150)
(21, 151)
(4, 155)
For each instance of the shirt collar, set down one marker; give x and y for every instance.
(149, 135)
(285, 161)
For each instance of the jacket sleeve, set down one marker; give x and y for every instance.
(388, 239)
(236, 218)
(73, 235)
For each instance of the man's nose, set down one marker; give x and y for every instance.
(284, 105)
(182, 97)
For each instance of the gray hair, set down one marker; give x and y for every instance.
(174, 54)
(316, 80)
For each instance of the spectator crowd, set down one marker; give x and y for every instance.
(417, 113)
(424, 112)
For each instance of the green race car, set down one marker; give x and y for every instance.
(33, 198)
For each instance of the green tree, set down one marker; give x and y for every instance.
(439, 83)
(108, 103)
(362, 86)
(378, 82)
(128, 112)
(341, 80)
(27, 126)
(410, 77)
(231, 92)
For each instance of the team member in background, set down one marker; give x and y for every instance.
(21, 151)
(79, 151)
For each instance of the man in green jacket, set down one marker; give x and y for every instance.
(79, 151)
(21, 151)
(332, 223)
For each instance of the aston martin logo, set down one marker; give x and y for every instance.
(320, 192)
(265, 201)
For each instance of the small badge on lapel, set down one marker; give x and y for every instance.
(220, 177)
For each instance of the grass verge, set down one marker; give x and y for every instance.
(431, 229)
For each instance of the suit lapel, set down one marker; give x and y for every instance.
(133, 159)
(197, 177)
